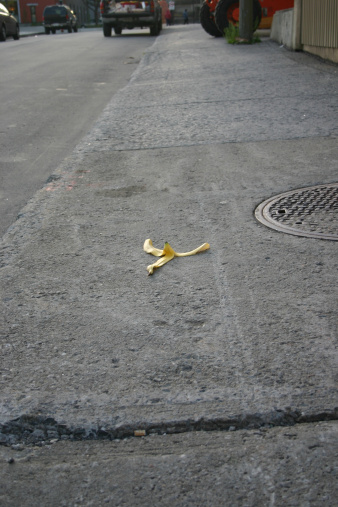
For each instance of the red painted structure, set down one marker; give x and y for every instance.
(31, 11)
(269, 7)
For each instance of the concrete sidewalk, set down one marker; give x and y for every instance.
(27, 30)
(241, 337)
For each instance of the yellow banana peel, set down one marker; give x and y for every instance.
(149, 248)
(167, 253)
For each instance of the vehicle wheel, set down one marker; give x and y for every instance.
(107, 30)
(227, 11)
(16, 36)
(3, 33)
(75, 28)
(154, 29)
(69, 28)
(47, 31)
(117, 31)
(208, 21)
(53, 30)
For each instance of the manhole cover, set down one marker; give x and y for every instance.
(311, 212)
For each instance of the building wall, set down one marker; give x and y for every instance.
(193, 9)
(281, 28)
(320, 23)
(312, 26)
(31, 11)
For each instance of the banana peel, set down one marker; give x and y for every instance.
(167, 254)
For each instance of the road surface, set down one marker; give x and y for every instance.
(53, 89)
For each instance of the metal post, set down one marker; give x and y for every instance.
(245, 19)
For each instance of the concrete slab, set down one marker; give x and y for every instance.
(277, 467)
(241, 336)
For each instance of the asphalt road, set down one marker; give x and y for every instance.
(52, 90)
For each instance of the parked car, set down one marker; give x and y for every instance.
(59, 17)
(9, 25)
(130, 14)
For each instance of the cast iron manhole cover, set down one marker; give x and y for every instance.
(311, 212)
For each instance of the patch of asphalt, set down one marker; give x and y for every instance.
(232, 338)
(37, 430)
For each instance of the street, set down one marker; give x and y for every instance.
(53, 89)
(212, 382)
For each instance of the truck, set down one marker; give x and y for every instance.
(128, 14)
(215, 15)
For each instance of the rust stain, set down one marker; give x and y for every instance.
(64, 184)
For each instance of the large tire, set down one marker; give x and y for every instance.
(155, 29)
(16, 36)
(208, 21)
(225, 14)
(47, 31)
(75, 28)
(117, 30)
(106, 30)
(3, 34)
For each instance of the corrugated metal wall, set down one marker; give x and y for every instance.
(320, 23)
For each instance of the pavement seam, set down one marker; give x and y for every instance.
(36, 429)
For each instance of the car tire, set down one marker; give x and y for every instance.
(75, 29)
(154, 29)
(106, 30)
(53, 30)
(208, 21)
(117, 31)
(16, 36)
(3, 33)
(69, 28)
(47, 31)
(223, 14)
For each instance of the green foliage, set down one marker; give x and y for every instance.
(231, 35)
(256, 38)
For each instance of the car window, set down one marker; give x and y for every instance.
(56, 10)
